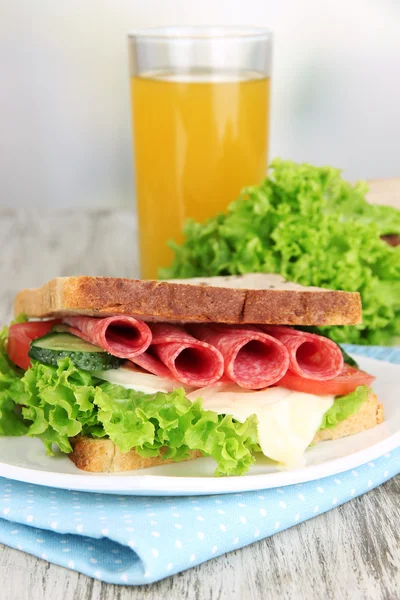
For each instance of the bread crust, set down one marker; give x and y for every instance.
(186, 302)
(103, 456)
(369, 415)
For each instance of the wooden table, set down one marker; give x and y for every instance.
(350, 552)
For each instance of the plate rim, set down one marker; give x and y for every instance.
(155, 485)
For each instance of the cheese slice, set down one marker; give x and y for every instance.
(134, 379)
(287, 420)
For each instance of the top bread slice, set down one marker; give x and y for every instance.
(237, 299)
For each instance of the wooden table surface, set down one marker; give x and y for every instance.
(351, 552)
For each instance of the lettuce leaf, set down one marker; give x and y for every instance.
(61, 402)
(147, 423)
(344, 407)
(314, 228)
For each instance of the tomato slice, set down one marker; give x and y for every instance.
(345, 383)
(20, 336)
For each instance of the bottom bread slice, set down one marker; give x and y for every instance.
(369, 415)
(103, 456)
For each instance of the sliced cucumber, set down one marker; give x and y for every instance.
(65, 341)
(50, 348)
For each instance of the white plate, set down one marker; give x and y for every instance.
(26, 460)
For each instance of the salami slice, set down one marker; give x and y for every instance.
(311, 356)
(152, 364)
(122, 336)
(175, 353)
(253, 359)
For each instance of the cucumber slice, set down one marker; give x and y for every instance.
(50, 348)
(65, 341)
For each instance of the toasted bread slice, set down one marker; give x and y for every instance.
(369, 415)
(103, 456)
(251, 298)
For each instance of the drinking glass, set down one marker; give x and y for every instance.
(200, 114)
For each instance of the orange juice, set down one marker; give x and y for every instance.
(198, 138)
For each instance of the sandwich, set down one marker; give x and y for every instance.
(124, 374)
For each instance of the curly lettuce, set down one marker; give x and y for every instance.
(59, 403)
(314, 228)
(148, 423)
(344, 407)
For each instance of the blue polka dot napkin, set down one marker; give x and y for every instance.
(138, 540)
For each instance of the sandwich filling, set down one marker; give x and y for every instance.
(253, 357)
(228, 391)
(286, 420)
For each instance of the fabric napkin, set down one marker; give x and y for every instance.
(138, 540)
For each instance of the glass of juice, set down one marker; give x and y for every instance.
(200, 114)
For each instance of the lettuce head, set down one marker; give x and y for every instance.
(314, 228)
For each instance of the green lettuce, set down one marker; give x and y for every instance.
(147, 423)
(314, 228)
(61, 402)
(57, 402)
(344, 407)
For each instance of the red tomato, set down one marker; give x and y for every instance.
(20, 337)
(345, 383)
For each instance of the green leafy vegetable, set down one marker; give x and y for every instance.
(314, 228)
(58, 401)
(64, 401)
(133, 419)
(344, 407)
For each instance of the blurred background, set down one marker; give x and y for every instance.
(65, 136)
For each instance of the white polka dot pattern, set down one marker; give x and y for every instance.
(133, 540)
(136, 540)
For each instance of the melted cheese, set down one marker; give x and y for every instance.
(287, 420)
